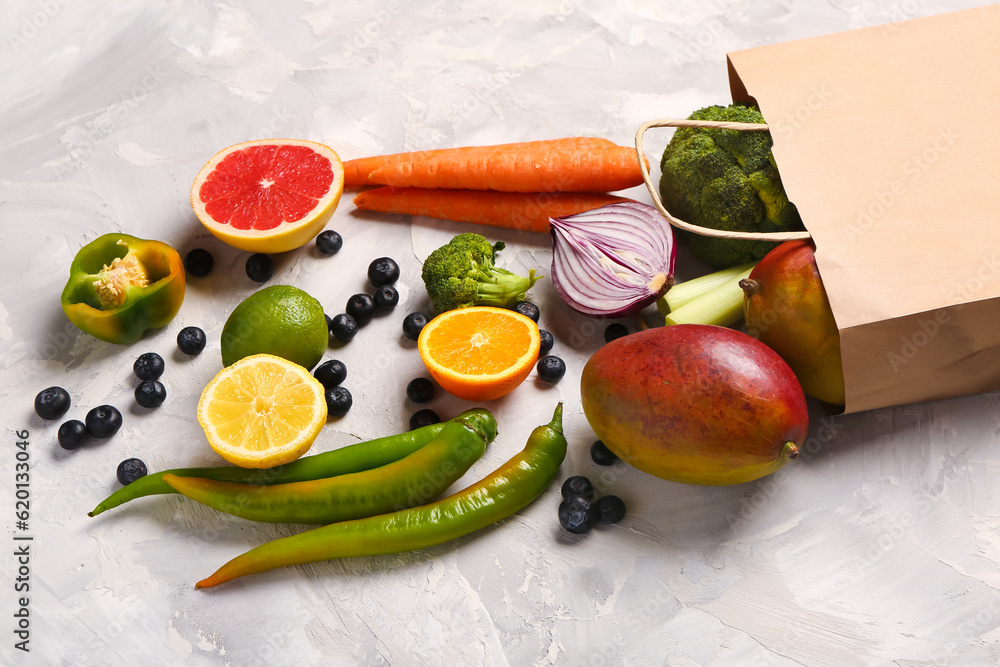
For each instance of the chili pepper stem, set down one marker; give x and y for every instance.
(556, 422)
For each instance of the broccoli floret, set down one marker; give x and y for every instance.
(726, 179)
(462, 273)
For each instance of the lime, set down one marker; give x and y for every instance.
(280, 320)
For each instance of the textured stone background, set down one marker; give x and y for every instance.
(879, 546)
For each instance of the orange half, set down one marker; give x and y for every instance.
(270, 195)
(479, 353)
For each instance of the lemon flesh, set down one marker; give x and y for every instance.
(262, 411)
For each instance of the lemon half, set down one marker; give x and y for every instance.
(262, 411)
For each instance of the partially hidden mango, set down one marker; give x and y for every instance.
(695, 403)
(786, 308)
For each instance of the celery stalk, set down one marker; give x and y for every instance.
(689, 290)
(722, 305)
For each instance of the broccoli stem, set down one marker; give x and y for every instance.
(504, 288)
(722, 305)
(689, 290)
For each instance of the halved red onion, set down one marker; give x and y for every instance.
(613, 260)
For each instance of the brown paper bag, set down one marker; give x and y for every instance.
(884, 142)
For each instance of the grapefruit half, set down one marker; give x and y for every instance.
(269, 195)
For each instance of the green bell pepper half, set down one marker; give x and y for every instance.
(121, 286)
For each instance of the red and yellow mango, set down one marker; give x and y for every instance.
(697, 404)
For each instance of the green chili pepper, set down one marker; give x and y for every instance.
(507, 490)
(119, 286)
(350, 459)
(410, 481)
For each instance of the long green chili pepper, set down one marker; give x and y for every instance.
(352, 458)
(507, 490)
(408, 482)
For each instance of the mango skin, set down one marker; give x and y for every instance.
(695, 403)
(787, 309)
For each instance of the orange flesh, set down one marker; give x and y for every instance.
(263, 186)
(479, 344)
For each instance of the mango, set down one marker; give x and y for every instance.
(695, 403)
(786, 308)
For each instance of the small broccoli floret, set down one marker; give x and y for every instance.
(462, 273)
(726, 179)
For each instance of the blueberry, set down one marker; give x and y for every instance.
(383, 271)
(601, 455)
(331, 373)
(130, 470)
(551, 368)
(150, 394)
(386, 297)
(338, 401)
(413, 324)
(103, 421)
(191, 340)
(547, 341)
(329, 242)
(344, 327)
(199, 262)
(72, 434)
(259, 267)
(362, 308)
(424, 417)
(420, 390)
(329, 321)
(576, 514)
(148, 366)
(577, 485)
(610, 509)
(528, 309)
(52, 403)
(614, 330)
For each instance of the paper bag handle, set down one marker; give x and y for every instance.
(687, 226)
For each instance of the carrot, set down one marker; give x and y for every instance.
(512, 210)
(357, 171)
(558, 169)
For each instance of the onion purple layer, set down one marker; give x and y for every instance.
(614, 260)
